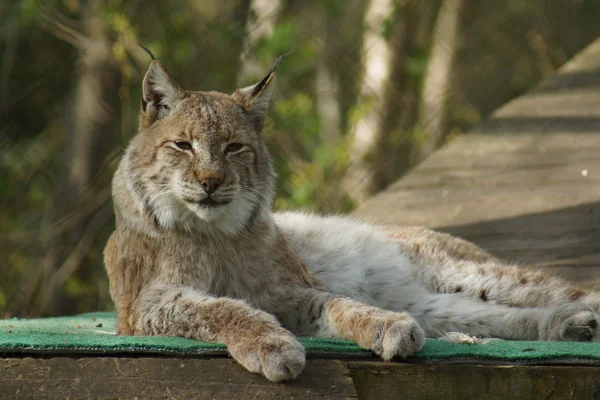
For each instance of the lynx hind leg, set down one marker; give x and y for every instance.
(572, 322)
(452, 265)
(439, 314)
(505, 284)
(430, 247)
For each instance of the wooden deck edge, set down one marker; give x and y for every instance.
(222, 378)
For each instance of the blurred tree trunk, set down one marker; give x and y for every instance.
(366, 132)
(261, 23)
(348, 59)
(235, 14)
(8, 61)
(410, 39)
(437, 85)
(303, 18)
(219, 29)
(338, 68)
(87, 139)
(380, 146)
(424, 19)
(327, 81)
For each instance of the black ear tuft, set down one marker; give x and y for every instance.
(264, 83)
(147, 51)
(255, 99)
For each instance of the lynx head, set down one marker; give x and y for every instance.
(198, 160)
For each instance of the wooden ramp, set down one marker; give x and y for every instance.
(526, 186)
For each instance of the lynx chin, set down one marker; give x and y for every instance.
(198, 252)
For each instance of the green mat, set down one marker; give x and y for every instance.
(93, 334)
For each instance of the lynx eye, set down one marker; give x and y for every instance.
(183, 145)
(232, 147)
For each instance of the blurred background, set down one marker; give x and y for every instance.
(371, 88)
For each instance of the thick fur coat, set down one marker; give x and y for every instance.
(198, 252)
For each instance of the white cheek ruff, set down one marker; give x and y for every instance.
(236, 214)
(206, 213)
(169, 211)
(230, 218)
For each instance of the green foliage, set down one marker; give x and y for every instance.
(416, 65)
(28, 10)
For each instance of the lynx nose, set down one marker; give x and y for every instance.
(210, 185)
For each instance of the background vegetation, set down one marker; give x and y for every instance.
(372, 87)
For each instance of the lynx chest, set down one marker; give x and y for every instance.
(234, 270)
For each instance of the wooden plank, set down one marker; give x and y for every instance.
(179, 378)
(474, 382)
(525, 185)
(164, 378)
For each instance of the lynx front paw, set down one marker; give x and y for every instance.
(396, 334)
(572, 322)
(277, 355)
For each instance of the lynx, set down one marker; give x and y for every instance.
(198, 252)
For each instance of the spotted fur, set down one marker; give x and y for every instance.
(214, 263)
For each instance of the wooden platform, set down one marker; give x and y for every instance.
(526, 186)
(186, 379)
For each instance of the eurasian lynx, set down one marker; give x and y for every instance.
(198, 252)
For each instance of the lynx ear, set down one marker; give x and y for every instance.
(255, 99)
(160, 92)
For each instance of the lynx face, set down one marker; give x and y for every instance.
(198, 161)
